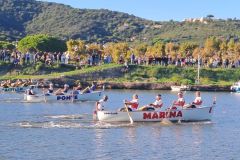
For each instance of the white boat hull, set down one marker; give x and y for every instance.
(236, 87)
(17, 89)
(93, 96)
(179, 88)
(190, 114)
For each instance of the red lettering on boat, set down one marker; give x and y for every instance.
(179, 114)
(172, 114)
(155, 115)
(147, 115)
(161, 114)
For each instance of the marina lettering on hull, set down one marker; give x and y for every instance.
(160, 115)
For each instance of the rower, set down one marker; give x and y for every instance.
(153, 106)
(18, 83)
(30, 91)
(90, 89)
(50, 90)
(180, 102)
(62, 91)
(101, 103)
(77, 89)
(133, 104)
(198, 99)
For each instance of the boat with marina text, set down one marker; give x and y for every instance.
(202, 113)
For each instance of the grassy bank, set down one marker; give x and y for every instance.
(55, 72)
(214, 76)
(218, 76)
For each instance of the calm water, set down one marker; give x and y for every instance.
(66, 131)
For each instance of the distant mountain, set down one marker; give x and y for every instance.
(21, 17)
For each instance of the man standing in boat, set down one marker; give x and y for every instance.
(133, 104)
(101, 103)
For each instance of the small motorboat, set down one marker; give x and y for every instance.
(180, 88)
(236, 87)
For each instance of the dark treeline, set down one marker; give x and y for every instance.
(19, 18)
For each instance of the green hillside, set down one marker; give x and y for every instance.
(21, 17)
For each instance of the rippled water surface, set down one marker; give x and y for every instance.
(67, 131)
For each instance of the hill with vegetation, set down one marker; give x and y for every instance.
(19, 18)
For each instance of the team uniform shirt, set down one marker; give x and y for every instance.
(158, 103)
(29, 92)
(134, 105)
(197, 101)
(180, 102)
(101, 105)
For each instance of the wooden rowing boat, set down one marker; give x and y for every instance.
(93, 96)
(187, 114)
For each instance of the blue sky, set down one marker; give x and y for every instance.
(163, 9)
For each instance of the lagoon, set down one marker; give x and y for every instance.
(67, 131)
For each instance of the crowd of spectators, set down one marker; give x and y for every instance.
(16, 58)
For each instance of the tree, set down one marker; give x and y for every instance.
(171, 49)
(157, 50)
(94, 48)
(41, 42)
(210, 16)
(76, 47)
(187, 47)
(236, 51)
(211, 47)
(140, 49)
(120, 49)
(6, 45)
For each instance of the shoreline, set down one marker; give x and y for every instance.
(144, 85)
(162, 86)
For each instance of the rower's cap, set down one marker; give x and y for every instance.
(66, 85)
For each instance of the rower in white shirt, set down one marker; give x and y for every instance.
(101, 103)
(156, 105)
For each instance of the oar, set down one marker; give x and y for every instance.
(44, 96)
(72, 97)
(165, 120)
(130, 118)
